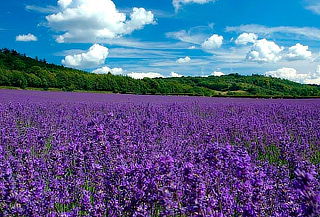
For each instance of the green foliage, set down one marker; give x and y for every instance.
(272, 154)
(18, 70)
(255, 85)
(69, 88)
(315, 154)
(315, 158)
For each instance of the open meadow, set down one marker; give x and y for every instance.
(81, 154)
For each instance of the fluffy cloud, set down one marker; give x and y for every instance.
(293, 75)
(215, 41)
(175, 75)
(218, 74)
(268, 51)
(94, 20)
(64, 3)
(106, 70)
(141, 75)
(178, 3)
(265, 51)
(287, 73)
(246, 38)
(298, 52)
(184, 60)
(95, 56)
(135, 75)
(138, 19)
(28, 37)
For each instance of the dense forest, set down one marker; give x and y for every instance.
(18, 70)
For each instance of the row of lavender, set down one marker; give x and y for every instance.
(68, 154)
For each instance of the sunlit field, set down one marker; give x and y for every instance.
(81, 154)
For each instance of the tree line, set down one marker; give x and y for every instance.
(18, 70)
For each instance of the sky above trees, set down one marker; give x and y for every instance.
(169, 37)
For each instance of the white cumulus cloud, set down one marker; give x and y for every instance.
(138, 19)
(106, 70)
(265, 51)
(215, 41)
(28, 37)
(184, 60)
(178, 3)
(298, 52)
(95, 56)
(246, 38)
(293, 75)
(95, 20)
(218, 74)
(64, 3)
(175, 75)
(141, 75)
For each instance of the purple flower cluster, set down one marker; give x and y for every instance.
(72, 154)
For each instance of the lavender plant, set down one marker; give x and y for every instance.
(72, 154)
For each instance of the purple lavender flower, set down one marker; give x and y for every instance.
(78, 154)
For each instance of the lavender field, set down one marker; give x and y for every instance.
(77, 154)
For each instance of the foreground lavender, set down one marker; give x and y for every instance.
(68, 154)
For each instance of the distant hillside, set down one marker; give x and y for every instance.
(18, 70)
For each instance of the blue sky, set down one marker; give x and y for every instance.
(169, 37)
